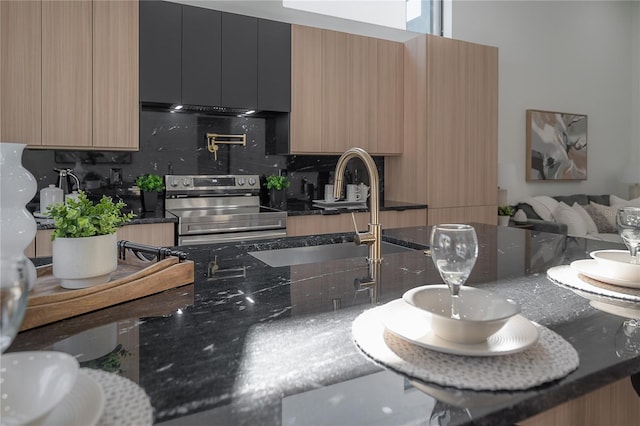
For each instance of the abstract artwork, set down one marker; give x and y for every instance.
(556, 146)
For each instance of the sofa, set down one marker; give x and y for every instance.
(579, 215)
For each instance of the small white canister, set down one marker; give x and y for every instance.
(50, 195)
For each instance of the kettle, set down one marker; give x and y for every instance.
(65, 181)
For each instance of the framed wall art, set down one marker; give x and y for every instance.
(556, 146)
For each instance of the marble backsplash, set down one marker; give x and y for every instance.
(175, 143)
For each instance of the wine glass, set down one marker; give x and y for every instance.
(454, 250)
(13, 297)
(628, 220)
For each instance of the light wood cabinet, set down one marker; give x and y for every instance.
(70, 74)
(153, 234)
(347, 90)
(451, 121)
(327, 224)
(66, 73)
(20, 72)
(115, 75)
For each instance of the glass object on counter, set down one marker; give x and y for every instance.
(454, 250)
(628, 221)
(13, 297)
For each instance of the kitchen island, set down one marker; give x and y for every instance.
(252, 344)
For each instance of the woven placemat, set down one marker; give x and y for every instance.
(567, 276)
(126, 403)
(550, 358)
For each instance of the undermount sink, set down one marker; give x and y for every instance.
(320, 253)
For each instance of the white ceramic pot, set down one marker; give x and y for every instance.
(85, 262)
(503, 220)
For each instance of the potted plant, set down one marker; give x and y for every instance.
(84, 240)
(504, 214)
(150, 184)
(277, 194)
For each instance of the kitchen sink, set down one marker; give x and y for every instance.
(320, 253)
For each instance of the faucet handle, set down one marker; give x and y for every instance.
(362, 237)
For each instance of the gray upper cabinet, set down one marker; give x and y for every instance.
(274, 66)
(160, 51)
(201, 54)
(239, 61)
(198, 56)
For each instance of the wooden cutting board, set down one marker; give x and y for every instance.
(49, 302)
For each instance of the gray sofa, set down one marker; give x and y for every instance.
(546, 224)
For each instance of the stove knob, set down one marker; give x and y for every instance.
(186, 182)
(241, 181)
(174, 182)
(252, 181)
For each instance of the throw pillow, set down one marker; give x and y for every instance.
(621, 202)
(543, 206)
(603, 216)
(576, 227)
(586, 218)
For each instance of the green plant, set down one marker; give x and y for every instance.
(149, 182)
(79, 217)
(277, 182)
(505, 211)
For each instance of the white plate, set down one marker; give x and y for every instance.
(593, 269)
(83, 406)
(414, 325)
(618, 264)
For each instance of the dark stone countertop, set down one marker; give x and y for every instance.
(251, 344)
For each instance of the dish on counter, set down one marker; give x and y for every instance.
(414, 326)
(82, 406)
(33, 383)
(618, 264)
(481, 313)
(594, 269)
(569, 277)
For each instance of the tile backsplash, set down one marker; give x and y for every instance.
(175, 143)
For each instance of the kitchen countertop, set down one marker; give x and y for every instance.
(294, 208)
(251, 344)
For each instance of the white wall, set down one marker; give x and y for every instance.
(569, 56)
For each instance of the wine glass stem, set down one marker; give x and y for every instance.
(634, 254)
(455, 308)
(455, 289)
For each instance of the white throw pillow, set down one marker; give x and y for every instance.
(621, 202)
(543, 206)
(576, 227)
(586, 218)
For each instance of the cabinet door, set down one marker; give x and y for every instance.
(362, 104)
(201, 50)
(67, 73)
(389, 127)
(274, 66)
(239, 61)
(335, 91)
(160, 51)
(20, 72)
(462, 123)
(115, 75)
(306, 89)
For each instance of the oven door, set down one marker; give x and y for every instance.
(202, 226)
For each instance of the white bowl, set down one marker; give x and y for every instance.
(33, 383)
(482, 313)
(617, 264)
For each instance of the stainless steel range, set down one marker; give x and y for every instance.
(213, 209)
